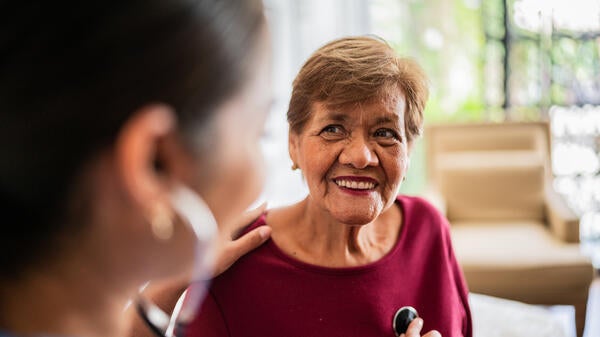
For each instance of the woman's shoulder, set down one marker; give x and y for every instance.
(417, 205)
(260, 221)
(421, 214)
(280, 217)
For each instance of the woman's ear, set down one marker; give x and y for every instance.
(293, 148)
(139, 150)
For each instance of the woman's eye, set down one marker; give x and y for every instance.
(386, 133)
(332, 129)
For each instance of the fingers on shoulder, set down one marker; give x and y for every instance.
(250, 240)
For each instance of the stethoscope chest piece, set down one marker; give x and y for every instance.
(402, 319)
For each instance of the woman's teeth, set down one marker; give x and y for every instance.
(362, 185)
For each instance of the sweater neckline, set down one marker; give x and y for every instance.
(314, 268)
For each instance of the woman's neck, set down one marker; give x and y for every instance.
(70, 299)
(310, 234)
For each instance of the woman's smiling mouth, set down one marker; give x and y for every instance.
(356, 183)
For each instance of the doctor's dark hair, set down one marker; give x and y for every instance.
(72, 73)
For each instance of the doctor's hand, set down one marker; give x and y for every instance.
(232, 246)
(414, 330)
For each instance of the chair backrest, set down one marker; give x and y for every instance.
(490, 171)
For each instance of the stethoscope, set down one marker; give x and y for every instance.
(196, 214)
(164, 325)
(161, 323)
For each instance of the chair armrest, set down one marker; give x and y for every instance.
(435, 197)
(564, 223)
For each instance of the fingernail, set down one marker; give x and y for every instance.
(264, 232)
(420, 322)
(435, 333)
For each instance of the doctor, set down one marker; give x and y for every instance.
(110, 112)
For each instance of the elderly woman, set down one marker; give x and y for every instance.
(342, 261)
(120, 122)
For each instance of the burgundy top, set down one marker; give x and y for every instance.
(269, 293)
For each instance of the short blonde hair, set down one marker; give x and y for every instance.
(356, 70)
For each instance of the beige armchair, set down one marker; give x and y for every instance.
(514, 236)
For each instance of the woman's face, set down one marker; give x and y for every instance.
(353, 159)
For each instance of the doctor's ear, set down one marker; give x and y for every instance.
(148, 155)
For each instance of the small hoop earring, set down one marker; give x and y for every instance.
(295, 167)
(161, 222)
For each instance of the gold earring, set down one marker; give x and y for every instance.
(295, 167)
(162, 222)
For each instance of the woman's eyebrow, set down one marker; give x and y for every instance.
(335, 117)
(387, 119)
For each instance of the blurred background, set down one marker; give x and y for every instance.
(488, 61)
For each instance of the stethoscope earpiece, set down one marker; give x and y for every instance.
(402, 319)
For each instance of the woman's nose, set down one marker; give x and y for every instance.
(358, 154)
